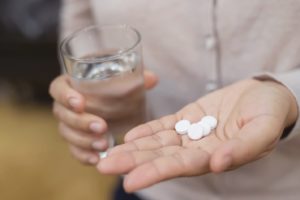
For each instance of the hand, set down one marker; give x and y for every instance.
(251, 114)
(82, 131)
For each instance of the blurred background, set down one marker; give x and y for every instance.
(34, 161)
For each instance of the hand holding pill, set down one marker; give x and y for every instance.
(221, 131)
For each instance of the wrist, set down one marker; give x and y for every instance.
(293, 106)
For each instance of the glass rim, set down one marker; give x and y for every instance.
(62, 46)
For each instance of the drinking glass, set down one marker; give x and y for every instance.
(105, 65)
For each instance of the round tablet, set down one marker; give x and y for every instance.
(195, 132)
(206, 128)
(182, 126)
(210, 120)
(103, 154)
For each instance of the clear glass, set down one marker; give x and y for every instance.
(105, 65)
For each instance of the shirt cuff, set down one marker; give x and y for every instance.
(291, 81)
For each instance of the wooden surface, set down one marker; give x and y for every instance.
(35, 163)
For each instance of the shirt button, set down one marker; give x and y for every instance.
(211, 86)
(210, 42)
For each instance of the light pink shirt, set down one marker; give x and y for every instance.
(195, 44)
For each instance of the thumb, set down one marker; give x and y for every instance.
(151, 79)
(253, 141)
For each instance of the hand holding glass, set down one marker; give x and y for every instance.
(105, 65)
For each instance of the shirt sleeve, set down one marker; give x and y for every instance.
(291, 80)
(74, 15)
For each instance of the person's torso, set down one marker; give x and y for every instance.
(193, 44)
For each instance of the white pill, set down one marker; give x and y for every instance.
(103, 154)
(182, 126)
(195, 132)
(206, 128)
(210, 120)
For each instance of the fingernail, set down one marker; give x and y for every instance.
(74, 102)
(96, 127)
(128, 184)
(93, 160)
(99, 145)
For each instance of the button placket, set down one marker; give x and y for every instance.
(210, 42)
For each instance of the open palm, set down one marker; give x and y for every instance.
(251, 115)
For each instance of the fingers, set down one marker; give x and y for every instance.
(81, 121)
(151, 79)
(129, 161)
(253, 141)
(82, 140)
(133, 159)
(192, 112)
(84, 156)
(152, 142)
(186, 162)
(152, 127)
(62, 92)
